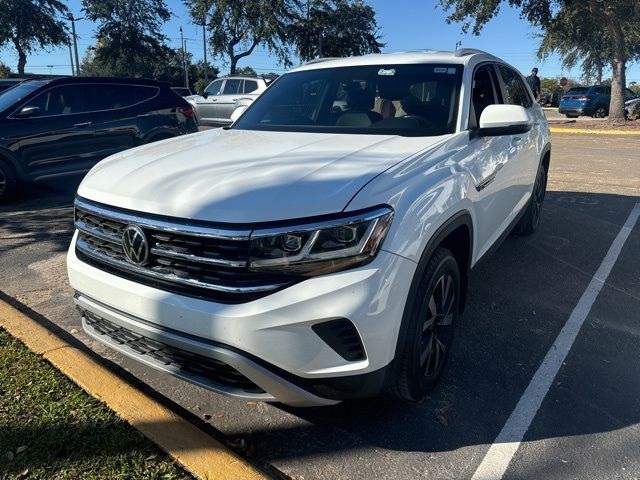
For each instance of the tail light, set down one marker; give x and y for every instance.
(187, 111)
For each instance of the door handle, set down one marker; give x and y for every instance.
(235, 99)
(214, 99)
(82, 125)
(516, 141)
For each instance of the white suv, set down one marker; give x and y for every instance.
(224, 95)
(319, 248)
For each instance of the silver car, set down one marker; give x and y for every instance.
(222, 96)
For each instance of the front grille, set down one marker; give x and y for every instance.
(190, 365)
(192, 259)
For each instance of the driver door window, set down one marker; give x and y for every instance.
(483, 93)
(214, 88)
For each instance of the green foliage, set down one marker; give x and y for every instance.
(237, 27)
(245, 71)
(336, 28)
(595, 33)
(31, 25)
(129, 38)
(5, 71)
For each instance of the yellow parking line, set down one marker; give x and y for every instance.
(198, 452)
(586, 131)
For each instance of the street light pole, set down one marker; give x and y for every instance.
(184, 59)
(204, 49)
(75, 40)
(71, 59)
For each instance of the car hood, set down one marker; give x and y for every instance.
(241, 176)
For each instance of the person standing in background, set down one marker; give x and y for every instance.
(534, 83)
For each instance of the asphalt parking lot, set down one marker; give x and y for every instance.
(588, 425)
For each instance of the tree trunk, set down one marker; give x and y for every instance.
(619, 67)
(22, 56)
(234, 63)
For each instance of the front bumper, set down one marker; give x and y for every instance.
(575, 111)
(269, 340)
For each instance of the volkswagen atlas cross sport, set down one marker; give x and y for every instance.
(319, 248)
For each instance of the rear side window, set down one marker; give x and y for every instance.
(514, 89)
(105, 96)
(600, 91)
(250, 86)
(231, 87)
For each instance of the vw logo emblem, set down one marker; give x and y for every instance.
(135, 245)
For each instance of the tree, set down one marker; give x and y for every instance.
(32, 25)
(129, 38)
(245, 71)
(237, 26)
(336, 28)
(5, 71)
(618, 22)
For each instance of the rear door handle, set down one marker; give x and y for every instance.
(235, 99)
(82, 125)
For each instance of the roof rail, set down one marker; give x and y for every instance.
(320, 60)
(463, 52)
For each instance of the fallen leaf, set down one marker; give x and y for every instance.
(206, 416)
(74, 330)
(23, 474)
(21, 449)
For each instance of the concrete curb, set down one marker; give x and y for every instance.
(585, 131)
(199, 453)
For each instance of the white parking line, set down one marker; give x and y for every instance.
(497, 459)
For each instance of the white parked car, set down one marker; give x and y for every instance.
(224, 95)
(319, 249)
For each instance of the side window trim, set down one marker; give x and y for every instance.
(11, 115)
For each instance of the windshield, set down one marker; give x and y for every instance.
(10, 97)
(379, 99)
(577, 91)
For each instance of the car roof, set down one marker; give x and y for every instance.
(117, 80)
(464, 56)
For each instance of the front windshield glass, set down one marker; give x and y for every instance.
(417, 100)
(10, 97)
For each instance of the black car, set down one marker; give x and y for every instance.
(62, 126)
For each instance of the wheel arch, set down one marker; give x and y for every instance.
(455, 234)
(13, 163)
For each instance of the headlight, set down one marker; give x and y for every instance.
(324, 247)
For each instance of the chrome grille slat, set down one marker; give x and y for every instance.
(168, 252)
(182, 258)
(83, 246)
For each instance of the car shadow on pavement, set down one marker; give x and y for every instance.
(519, 299)
(41, 212)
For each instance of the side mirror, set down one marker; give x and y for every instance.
(504, 120)
(237, 113)
(28, 111)
(204, 94)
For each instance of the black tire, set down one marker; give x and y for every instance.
(429, 333)
(600, 111)
(8, 181)
(531, 218)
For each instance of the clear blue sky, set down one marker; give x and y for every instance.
(404, 24)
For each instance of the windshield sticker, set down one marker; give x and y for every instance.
(451, 71)
(440, 70)
(389, 72)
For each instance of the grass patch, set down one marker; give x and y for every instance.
(52, 429)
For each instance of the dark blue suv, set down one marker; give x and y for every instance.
(592, 101)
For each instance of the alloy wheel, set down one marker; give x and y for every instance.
(600, 112)
(437, 329)
(538, 196)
